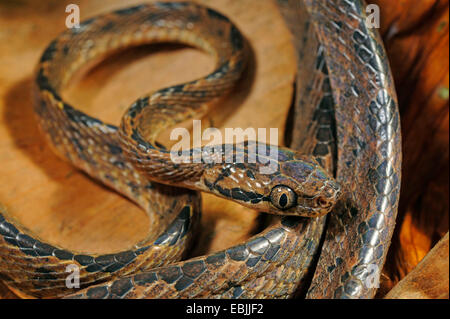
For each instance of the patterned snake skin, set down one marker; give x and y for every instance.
(362, 117)
(359, 230)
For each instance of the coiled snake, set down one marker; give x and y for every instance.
(127, 158)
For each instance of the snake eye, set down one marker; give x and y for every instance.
(283, 197)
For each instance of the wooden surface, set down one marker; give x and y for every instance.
(65, 207)
(429, 279)
(62, 205)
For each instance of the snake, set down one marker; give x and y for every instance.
(342, 101)
(351, 54)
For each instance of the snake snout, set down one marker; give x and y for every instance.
(330, 195)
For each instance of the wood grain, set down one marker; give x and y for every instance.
(429, 279)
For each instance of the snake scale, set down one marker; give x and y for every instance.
(346, 118)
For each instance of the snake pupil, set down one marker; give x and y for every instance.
(283, 200)
(283, 197)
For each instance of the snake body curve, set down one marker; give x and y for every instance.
(363, 97)
(128, 157)
(280, 259)
(369, 160)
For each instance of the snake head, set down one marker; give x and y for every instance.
(297, 186)
(303, 188)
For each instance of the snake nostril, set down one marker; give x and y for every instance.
(322, 202)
